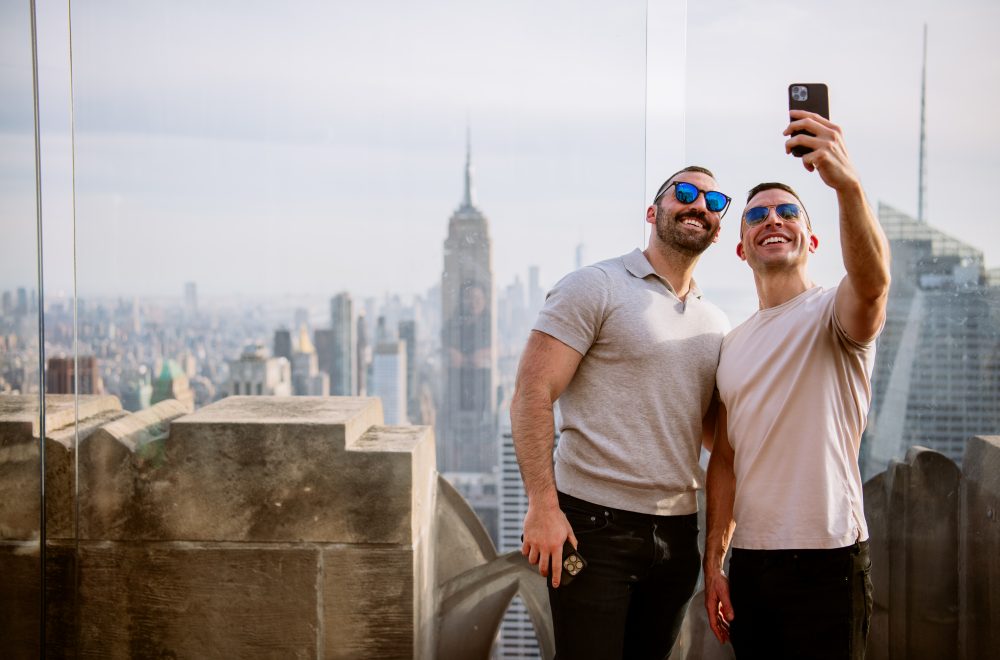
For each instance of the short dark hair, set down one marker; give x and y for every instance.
(775, 185)
(689, 168)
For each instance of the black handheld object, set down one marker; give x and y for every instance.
(812, 97)
(573, 562)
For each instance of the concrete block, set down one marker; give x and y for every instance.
(979, 563)
(183, 600)
(115, 462)
(20, 479)
(289, 469)
(368, 602)
(913, 523)
(20, 603)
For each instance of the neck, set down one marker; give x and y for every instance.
(778, 287)
(673, 266)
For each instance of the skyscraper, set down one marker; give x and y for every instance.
(389, 380)
(257, 374)
(283, 343)
(937, 369)
(468, 341)
(408, 333)
(307, 379)
(60, 378)
(363, 354)
(343, 358)
(517, 634)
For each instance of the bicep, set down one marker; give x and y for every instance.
(547, 364)
(860, 318)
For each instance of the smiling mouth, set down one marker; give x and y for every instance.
(771, 240)
(693, 222)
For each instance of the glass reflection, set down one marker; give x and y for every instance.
(21, 425)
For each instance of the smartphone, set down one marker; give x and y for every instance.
(808, 96)
(573, 563)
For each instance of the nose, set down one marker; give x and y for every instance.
(699, 202)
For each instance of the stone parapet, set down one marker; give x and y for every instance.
(257, 527)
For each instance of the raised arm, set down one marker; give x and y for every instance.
(864, 291)
(546, 368)
(721, 492)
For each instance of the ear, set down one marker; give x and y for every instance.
(739, 251)
(813, 242)
(715, 239)
(651, 214)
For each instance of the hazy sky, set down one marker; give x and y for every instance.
(320, 147)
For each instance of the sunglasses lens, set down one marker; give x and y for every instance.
(685, 193)
(756, 214)
(787, 211)
(715, 201)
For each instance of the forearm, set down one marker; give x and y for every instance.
(534, 433)
(863, 244)
(721, 493)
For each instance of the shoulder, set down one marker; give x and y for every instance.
(715, 318)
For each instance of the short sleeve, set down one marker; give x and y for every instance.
(575, 308)
(845, 339)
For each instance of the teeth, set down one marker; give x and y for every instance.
(774, 239)
(693, 223)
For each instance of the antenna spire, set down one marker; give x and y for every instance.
(922, 176)
(469, 198)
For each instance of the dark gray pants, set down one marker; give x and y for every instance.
(812, 604)
(631, 598)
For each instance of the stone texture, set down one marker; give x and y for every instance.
(979, 567)
(368, 602)
(286, 469)
(117, 499)
(19, 460)
(915, 557)
(462, 541)
(178, 600)
(20, 587)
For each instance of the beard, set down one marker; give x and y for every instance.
(669, 231)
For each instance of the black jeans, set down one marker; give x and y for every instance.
(801, 603)
(631, 598)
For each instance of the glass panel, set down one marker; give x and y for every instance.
(341, 199)
(20, 399)
(914, 87)
(935, 383)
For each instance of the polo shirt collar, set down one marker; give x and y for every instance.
(638, 265)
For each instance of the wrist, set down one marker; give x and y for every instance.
(850, 189)
(546, 499)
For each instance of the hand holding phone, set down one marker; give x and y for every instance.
(812, 97)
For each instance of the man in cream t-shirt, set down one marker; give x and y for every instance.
(794, 380)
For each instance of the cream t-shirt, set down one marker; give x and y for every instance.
(797, 390)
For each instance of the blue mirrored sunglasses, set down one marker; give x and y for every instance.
(758, 214)
(686, 193)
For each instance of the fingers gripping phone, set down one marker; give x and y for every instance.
(812, 97)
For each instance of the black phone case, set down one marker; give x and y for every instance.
(573, 563)
(818, 102)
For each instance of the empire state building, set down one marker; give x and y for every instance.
(467, 441)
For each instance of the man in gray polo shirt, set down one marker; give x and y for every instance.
(629, 349)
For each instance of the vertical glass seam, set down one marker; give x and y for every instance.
(42, 598)
(76, 339)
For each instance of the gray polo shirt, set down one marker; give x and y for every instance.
(631, 416)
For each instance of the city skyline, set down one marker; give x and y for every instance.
(563, 159)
